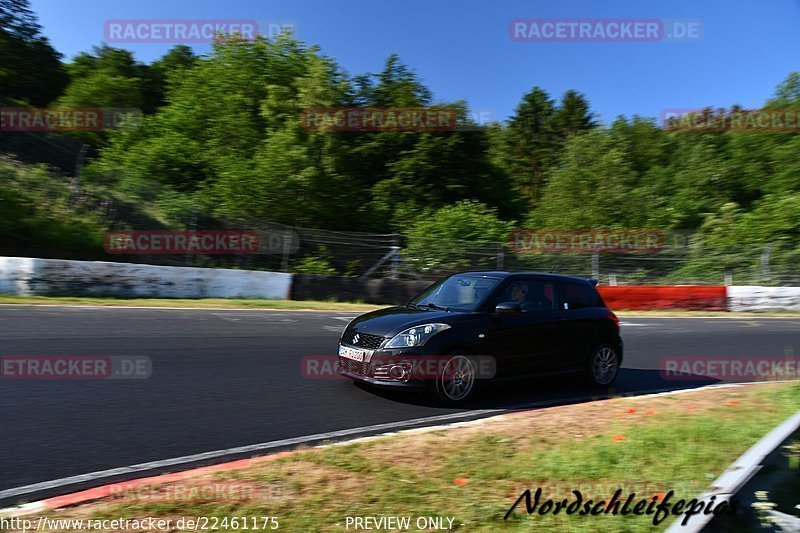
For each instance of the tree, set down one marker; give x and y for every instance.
(229, 137)
(408, 171)
(775, 218)
(532, 144)
(395, 86)
(157, 77)
(788, 92)
(573, 115)
(110, 77)
(456, 236)
(30, 69)
(17, 18)
(595, 187)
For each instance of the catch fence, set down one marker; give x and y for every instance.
(680, 259)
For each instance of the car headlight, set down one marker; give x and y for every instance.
(416, 336)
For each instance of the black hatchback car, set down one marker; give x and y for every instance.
(485, 325)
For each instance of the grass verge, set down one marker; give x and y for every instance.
(315, 305)
(205, 303)
(667, 313)
(474, 472)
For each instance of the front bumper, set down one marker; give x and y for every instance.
(384, 368)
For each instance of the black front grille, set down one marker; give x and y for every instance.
(364, 340)
(349, 366)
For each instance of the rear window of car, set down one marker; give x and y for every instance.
(578, 296)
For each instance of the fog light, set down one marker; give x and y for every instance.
(397, 372)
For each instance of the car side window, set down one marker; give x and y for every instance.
(577, 296)
(531, 295)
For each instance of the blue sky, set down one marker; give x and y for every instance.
(462, 49)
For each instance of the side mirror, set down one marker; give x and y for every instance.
(508, 308)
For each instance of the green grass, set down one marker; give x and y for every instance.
(643, 445)
(210, 303)
(666, 313)
(316, 305)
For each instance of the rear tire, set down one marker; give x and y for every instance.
(455, 384)
(603, 366)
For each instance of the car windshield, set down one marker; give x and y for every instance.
(459, 292)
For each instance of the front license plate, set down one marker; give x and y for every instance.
(352, 353)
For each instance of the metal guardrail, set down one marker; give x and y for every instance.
(740, 473)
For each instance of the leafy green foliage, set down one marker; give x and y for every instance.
(535, 137)
(42, 215)
(223, 138)
(230, 134)
(448, 237)
(318, 263)
(30, 69)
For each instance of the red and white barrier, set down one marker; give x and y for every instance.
(754, 298)
(643, 297)
(706, 298)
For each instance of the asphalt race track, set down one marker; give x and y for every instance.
(228, 378)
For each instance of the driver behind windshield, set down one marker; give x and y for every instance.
(519, 294)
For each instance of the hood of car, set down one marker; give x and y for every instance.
(390, 321)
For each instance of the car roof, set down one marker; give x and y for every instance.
(502, 274)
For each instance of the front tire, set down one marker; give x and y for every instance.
(455, 384)
(603, 366)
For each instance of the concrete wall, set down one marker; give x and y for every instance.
(753, 298)
(55, 277)
(377, 291)
(15, 273)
